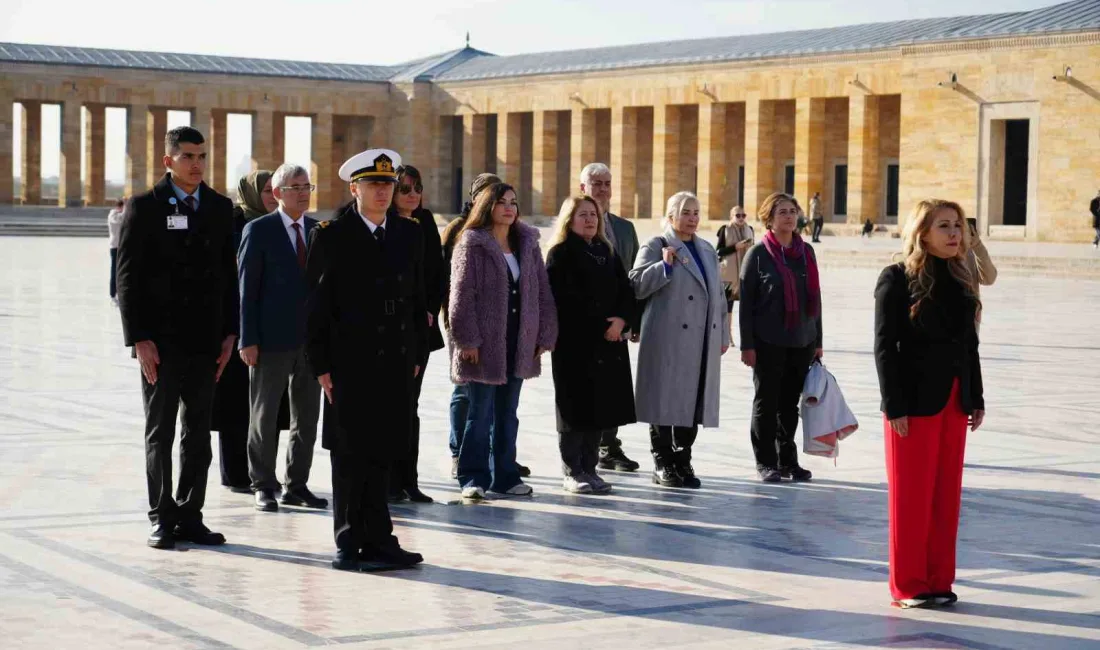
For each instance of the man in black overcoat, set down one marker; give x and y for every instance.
(366, 332)
(177, 293)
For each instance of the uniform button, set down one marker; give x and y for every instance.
(381, 353)
(685, 325)
(402, 349)
(398, 277)
(402, 327)
(691, 297)
(381, 328)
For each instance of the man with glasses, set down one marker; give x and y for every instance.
(366, 332)
(596, 182)
(271, 273)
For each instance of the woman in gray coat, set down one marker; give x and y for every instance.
(684, 333)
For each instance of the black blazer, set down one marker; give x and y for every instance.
(177, 288)
(434, 280)
(918, 361)
(367, 325)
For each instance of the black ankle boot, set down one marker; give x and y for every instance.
(666, 476)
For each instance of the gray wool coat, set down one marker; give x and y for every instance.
(681, 316)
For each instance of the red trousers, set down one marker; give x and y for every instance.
(924, 470)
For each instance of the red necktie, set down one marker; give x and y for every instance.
(300, 244)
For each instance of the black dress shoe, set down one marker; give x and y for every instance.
(346, 561)
(301, 496)
(239, 489)
(943, 598)
(416, 496)
(616, 460)
(161, 537)
(687, 476)
(667, 477)
(394, 555)
(199, 534)
(769, 474)
(397, 496)
(796, 473)
(265, 501)
(524, 471)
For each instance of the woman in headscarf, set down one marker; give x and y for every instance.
(734, 240)
(231, 402)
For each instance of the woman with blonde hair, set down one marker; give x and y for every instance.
(781, 334)
(502, 319)
(683, 336)
(926, 352)
(593, 392)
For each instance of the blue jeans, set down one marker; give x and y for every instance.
(487, 452)
(460, 406)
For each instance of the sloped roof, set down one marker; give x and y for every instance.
(1079, 15)
(471, 64)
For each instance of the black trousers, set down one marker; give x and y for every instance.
(360, 513)
(233, 454)
(188, 380)
(580, 450)
(778, 377)
(609, 442)
(819, 224)
(403, 472)
(670, 445)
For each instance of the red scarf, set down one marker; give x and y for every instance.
(780, 256)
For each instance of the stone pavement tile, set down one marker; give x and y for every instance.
(735, 564)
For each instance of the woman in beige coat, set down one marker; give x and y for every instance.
(734, 240)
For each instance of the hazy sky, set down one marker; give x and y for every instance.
(362, 32)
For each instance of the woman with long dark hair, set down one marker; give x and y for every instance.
(930, 376)
(781, 335)
(502, 319)
(408, 203)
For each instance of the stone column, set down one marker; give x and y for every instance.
(759, 152)
(442, 164)
(809, 149)
(321, 169)
(156, 122)
(666, 154)
(509, 162)
(863, 158)
(544, 164)
(7, 148)
(137, 158)
(216, 172)
(263, 139)
(473, 146)
(201, 119)
(69, 186)
(582, 145)
(30, 167)
(624, 154)
(95, 132)
(712, 161)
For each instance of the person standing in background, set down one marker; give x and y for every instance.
(1094, 208)
(114, 224)
(734, 240)
(817, 217)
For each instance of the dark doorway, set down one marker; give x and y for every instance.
(741, 186)
(840, 190)
(892, 180)
(788, 180)
(1015, 187)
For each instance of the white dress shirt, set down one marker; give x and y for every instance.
(370, 224)
(288, 225)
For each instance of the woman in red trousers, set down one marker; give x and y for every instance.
(926, 351)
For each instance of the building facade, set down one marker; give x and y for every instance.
(999, 112)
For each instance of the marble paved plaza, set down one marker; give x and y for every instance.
(736, 564)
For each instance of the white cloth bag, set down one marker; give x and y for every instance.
(826, 418)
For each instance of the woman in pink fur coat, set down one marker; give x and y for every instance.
(502, 319)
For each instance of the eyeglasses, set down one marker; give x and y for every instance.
(409, 189)
(298, 188)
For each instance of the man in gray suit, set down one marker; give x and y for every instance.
(596, 182)
(271, 270)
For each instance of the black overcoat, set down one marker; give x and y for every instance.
(367, 325)
(593, 389)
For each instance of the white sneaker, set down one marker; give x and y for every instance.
(576, 485)
(599, 486)
(520, 489)
(473, 492)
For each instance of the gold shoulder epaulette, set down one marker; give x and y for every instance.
(410, 218)
(323, 224)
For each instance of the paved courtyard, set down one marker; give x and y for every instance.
(736, 564)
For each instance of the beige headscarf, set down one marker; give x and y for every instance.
(248, 193)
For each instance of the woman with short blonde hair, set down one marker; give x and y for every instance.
(684, 334)
(930, 377)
